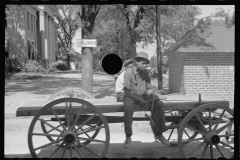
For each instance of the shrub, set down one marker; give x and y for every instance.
(12, 65)
(34, 66)
(61, 65)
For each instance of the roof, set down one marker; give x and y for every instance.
(211, 34)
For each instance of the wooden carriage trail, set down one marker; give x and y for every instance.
(73, 124)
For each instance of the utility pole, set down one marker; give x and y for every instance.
(159, 53)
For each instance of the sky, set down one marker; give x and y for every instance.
(206, 10)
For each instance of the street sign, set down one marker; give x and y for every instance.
(86, 43)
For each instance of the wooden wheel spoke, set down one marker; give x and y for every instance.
(87, 149)
(210, 119)
(90, 130)
(70, 151)
(204, 150)
(196, 139)
(186, 133)
(223, 127)
(44, 134)
(199, 146)
(219, 150)
(96, 140)
(200, 121)
(56, 150)
(195, 130)
(85, 133)
(77, 150)
(226, 135)
(64, 150)
(170, 135)
(226, 145)
(76, 119)
(47, 144)
(54, 112)
(89, 119)
(211, 151)
(67, 116)
(53, 128)
(215, 127)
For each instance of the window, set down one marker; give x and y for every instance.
(27, 20)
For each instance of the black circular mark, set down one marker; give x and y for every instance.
(112, 64)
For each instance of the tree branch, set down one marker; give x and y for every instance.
(61, 41)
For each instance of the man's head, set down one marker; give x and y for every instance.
(141, 60)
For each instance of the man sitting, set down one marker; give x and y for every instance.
(137, 89)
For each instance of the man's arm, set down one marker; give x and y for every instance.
(127, 93)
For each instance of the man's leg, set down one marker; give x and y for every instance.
(158, 115)
(129, 105)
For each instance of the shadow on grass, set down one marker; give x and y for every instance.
(50, 84)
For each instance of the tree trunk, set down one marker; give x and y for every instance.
(87, 71)
(133, 44)
(87, 65)
(159, 53)
(68, 61)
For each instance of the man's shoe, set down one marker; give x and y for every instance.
(127, 142)
(163, 140)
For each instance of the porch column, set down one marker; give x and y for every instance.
(53, 41)
(50, 38)
(35, 31)
(46, 36)
(42, 32)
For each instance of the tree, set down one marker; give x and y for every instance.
(176, 20)
(88, 14)
(111, 32)
(222, 13)
(69, 23)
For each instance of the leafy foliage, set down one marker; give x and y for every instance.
(222, 13)
(69, 23)
(43, 66)
(119, 28)
(12, 65)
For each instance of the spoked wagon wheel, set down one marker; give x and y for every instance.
(69, 92)
(211, 130)
(172, 134)
(70, 132)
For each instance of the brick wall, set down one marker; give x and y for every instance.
(211, 74)
(176, 66)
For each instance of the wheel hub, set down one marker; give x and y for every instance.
(69, 137)
(212, 138)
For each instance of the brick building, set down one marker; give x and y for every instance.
(202, 61)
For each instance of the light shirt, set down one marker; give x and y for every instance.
(120, 83)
